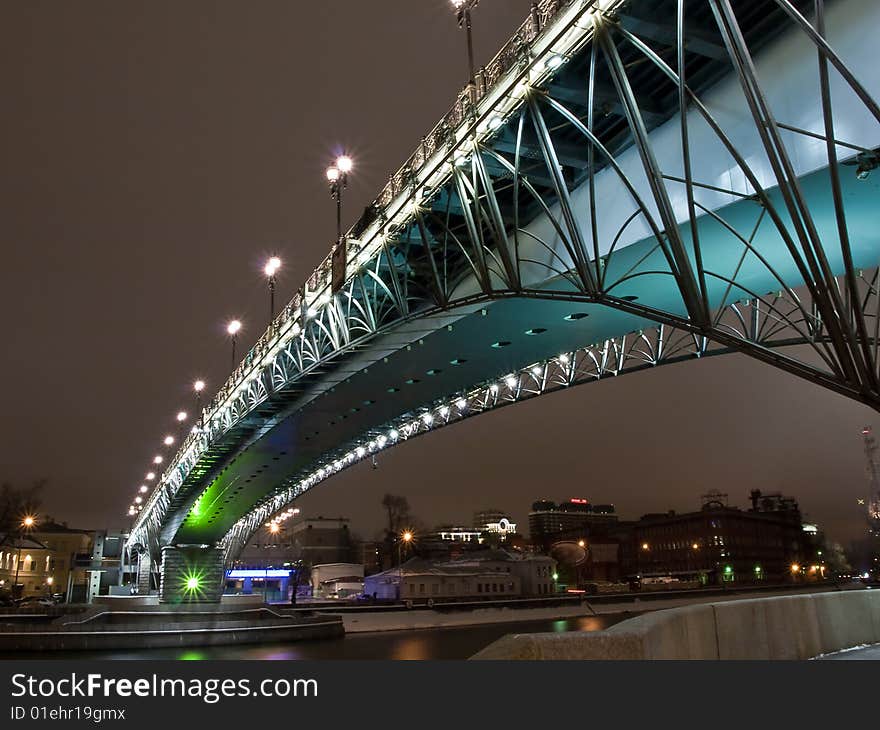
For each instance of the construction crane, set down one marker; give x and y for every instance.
(872, 506)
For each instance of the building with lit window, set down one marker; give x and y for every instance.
(491, 522)
(486, 574)
(369, 554)
(27, 563)
(456, 533)
(721, 544)
(309, 541)
(548, 519)
(57, 560)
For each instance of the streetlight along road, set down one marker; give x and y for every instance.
(28, 524)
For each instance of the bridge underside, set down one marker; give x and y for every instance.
(665, 173)
(453, 351)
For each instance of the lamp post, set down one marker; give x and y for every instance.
(271, 271)
(232, 330)
(181, 418)
(406, 537)
(463, 14)
(337, 178)
(27, 523)
(198, 387)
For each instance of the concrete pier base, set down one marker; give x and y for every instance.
(191, 574)
(144, 570)
(136, 627)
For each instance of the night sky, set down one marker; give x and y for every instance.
(152, 155)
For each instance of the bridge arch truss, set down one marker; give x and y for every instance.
(642, 156)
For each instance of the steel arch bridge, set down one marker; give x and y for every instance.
(629, 183)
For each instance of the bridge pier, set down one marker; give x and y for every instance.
(191, 574)
(144, 568)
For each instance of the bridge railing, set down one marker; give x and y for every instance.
(515, 54)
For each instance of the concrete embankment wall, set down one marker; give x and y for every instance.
(784, 627)
(100, 629)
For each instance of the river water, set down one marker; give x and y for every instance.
(440, 643)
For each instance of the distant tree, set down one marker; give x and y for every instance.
(16, 502)
(397, 508)
(836, 559)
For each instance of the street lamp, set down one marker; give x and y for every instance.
(198, 387)
(406, 537)
(271, 271)
(181, 418)
(232, 330)
(463, 14)
(337, 177)
(26, 524)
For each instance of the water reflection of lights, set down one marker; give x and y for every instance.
(414, 648)
(192, 656)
